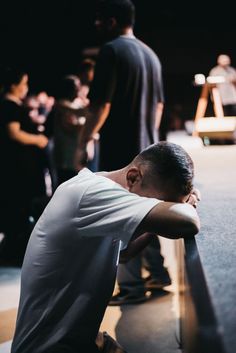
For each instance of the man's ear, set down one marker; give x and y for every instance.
(133, 177)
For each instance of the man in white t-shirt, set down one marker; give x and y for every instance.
(92, 220)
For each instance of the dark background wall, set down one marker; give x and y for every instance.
(48, 38)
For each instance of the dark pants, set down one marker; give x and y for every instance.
(229, 110)
(129, 275)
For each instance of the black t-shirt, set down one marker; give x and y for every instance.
(128, 75)
(10, 150)
(21, 165)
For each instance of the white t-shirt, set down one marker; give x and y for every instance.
(69, 269)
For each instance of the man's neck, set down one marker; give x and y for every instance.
(128, 31)
(118, 176)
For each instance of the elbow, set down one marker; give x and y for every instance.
(13, 136)
(192, 228)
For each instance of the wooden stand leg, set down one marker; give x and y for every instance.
(201, 107)
(217, 105)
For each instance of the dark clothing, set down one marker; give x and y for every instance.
(21, 177)
(62, 127)
(22, 165)
(229, 109)
(128, 74)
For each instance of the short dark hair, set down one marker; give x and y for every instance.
(171, 162)
(11, 76)
(122, 10)
(87, 65)
(69, 87)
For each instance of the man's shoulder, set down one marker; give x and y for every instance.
(7, 103)
(216, 70)
(120, 43)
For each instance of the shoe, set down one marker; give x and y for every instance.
(124, 297)
(158, 282)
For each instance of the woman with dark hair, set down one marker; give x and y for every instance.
(62, 127)
(64, 124)
(20, 180)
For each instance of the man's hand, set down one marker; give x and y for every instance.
(135, 246)
(194, 197)
(41, 141)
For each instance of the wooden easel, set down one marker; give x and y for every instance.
(208, 89)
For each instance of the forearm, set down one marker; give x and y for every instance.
(24, 138)
(136, 246)
(171, 220)
(159, 112)
(96, 117)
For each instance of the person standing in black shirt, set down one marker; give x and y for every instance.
(20, 177)
(126, 103)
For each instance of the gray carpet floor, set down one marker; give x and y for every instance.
(149, 327)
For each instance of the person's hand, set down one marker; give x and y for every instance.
(194, 197)
(41, 141)
(85, 152)
(90, 148)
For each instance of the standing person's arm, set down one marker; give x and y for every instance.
(100, 97)
(96, 117)
(161, 96)
(100, 94)
(16, 133)
(159, 112)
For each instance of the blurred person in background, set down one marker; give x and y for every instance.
(22, 175)
(227, 89)
(63, 125)
(86, 75)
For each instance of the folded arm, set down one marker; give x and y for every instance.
(171, 220)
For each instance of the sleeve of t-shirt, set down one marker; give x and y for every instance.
(9, 112)
(107, 209)
(104, 82)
